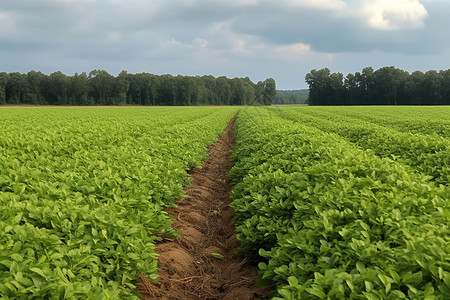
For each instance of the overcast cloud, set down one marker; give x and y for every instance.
(281, 39)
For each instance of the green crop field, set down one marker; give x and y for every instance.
(346, 203)
(332, 202)
(82, 192)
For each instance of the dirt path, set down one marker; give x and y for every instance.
(189, 271)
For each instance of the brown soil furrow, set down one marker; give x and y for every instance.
(204, 219)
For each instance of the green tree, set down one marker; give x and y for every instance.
(270, 90)
(259, 93)
(79, 89)
(99, 87)
(432, 88)
(325, 88)
(223, 90)
(35, 92)
(167, 90)
(185, 90)
(317, 81)
(120, 86)
(102, 83)
(388, 82)
(135, 88)
(3, 83)
(445, 87)
(291, 96)
(58, 86)
(210, 96)
(15, 88)
(412, 89)
(249, 92)
(152, 88)
(367, 85)
(236, 91)
(352, 86)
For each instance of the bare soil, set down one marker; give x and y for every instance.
(188, 268)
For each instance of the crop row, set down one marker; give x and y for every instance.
(428, 154)
(410, 119)
(418, 119)
(331, 220)
(82, 192)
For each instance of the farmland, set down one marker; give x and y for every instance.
(82, 192)
(331, 202)
(345, 203)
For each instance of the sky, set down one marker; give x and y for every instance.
(259, 39)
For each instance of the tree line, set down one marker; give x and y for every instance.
(385, 86)
(101, 88)
(291, 97)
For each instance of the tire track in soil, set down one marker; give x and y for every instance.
(188, 270)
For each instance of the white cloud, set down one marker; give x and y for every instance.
(221, 26)
(293, 51)
(7, 25)
(246, 2)
(394, 15)
(316, 4)
(202, 43)
(172, 42)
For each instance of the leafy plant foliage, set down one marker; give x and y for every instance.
(333, 220)
(427, 153)
(82, 193)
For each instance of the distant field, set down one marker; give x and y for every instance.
(333, 202)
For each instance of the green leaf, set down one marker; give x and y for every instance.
(217, 255)
(316, 291)
(292, 281)
(371, 296)
(413, 279)
(154, 277)
(39, 272)
(360, 267)
(386, 281)
(19, 188)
